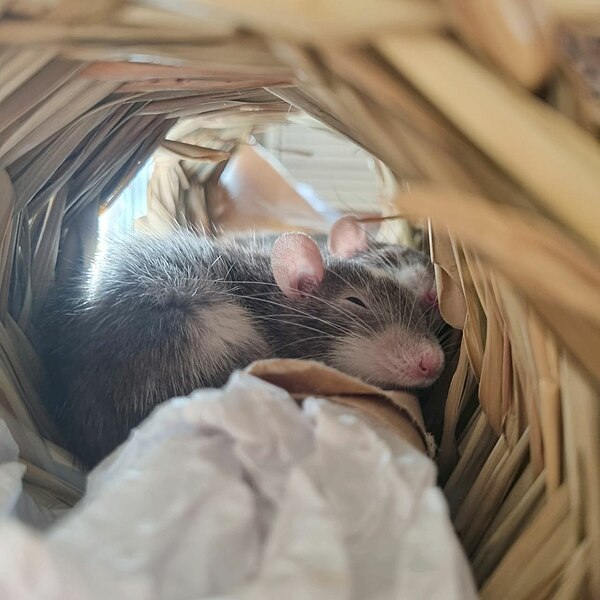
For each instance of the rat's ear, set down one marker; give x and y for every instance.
(347, 237)
(297, 264)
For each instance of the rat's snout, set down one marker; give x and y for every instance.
(396, 358)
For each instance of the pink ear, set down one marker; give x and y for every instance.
(347, 237)
(297, 264)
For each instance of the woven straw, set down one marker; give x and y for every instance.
(448, 95)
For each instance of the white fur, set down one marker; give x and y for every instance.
(227, 324)
(224, 328)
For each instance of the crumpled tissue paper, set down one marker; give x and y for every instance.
(241, 493)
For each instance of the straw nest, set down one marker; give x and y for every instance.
(447, 95)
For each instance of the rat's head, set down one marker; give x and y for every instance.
(411, 268)
(352, 317)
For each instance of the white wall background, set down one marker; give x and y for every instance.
(341, 173)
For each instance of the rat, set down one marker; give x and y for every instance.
(158, 317)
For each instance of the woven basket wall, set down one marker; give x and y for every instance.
(487, 111)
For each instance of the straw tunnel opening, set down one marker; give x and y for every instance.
(223, 178)
(320, 175)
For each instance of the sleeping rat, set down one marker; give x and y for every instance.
(160, 317)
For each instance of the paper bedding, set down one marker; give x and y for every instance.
(292, 481)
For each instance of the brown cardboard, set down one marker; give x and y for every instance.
(398, 411)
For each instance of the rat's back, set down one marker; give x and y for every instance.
(108, 332)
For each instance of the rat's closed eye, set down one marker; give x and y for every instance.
(356, 300)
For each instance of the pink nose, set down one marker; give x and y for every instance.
(430, 364)
(430, 297)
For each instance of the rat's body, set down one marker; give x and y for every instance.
(162, 317)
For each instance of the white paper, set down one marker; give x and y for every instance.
(239, 493)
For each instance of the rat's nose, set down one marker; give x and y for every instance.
(430, 364)
(430, 298)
